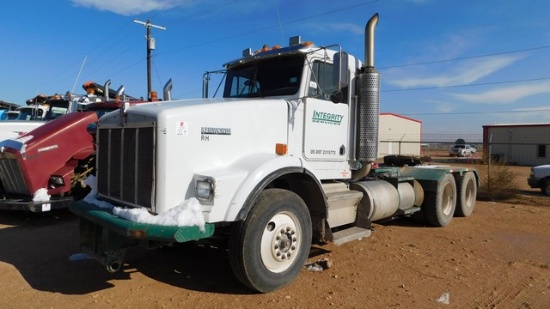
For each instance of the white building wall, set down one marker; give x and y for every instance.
(519, 143)
(398, 135)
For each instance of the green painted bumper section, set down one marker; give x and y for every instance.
(139, 231)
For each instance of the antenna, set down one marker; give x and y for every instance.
(78, 76)
(150, 46)
(280, 24)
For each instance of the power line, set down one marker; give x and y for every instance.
(269, 27)
(385, 67)
(467, 58)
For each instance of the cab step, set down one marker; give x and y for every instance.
(341, 204)
(349, 234)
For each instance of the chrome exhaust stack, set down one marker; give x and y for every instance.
(369, 100)
(167, 95)
(106, 90)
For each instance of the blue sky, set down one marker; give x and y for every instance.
(454, 65)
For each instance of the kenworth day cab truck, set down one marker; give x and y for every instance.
(283, 159)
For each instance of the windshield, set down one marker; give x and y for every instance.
(263, 78)
(29, 113)
(57, 108)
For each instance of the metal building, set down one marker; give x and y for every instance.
(399, 135)
(523, 144)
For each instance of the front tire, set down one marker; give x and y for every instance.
(467, 193)
(269, 248)
(439, 207)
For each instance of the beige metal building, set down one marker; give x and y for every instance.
(523, 144)
(399, 135)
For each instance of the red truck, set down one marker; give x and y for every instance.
(45, 168)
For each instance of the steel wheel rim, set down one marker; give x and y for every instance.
(280, 242)
(470, 194)
(447, 200)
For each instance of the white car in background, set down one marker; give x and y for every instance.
(462, 151)
(540, 178)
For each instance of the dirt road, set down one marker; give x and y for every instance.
(497, 258)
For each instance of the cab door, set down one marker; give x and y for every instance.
(326, 123)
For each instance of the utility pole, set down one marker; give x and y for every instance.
(150, 47)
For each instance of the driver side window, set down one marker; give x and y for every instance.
(320, 82)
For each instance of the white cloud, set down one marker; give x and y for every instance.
(534, 109)
(444, 107)
(506, 94)
(347, 27)
(131, 7)
(463, 75)
(352, 28)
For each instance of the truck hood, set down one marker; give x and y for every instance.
(154, 107)
(10, 129)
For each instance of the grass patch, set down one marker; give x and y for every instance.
(498, 181)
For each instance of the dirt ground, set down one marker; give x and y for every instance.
(497, 258)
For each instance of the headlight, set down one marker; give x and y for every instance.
(56, 182)
(204, 189)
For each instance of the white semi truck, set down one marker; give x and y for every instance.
(283, 159)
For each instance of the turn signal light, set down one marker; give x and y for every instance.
(281, 149)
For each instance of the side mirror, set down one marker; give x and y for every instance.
(340, 76)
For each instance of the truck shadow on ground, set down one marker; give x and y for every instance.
(192, 266)
(41, 248)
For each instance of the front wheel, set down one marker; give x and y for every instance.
(439, 207)
(270, 247)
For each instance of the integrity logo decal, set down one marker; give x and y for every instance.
(327, 118)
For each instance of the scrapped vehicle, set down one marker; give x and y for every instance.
(461, 151)
(45, 168)
(42, 109)
(540, 178)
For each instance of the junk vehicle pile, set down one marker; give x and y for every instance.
(283, 159)
(45, 168)
(42, 109)
(38, 111)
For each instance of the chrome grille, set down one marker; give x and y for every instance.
(11, 174)
(126, 160)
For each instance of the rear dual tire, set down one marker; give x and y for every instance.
(439, 206)
(467, 194)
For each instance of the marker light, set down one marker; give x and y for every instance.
(281, 149)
